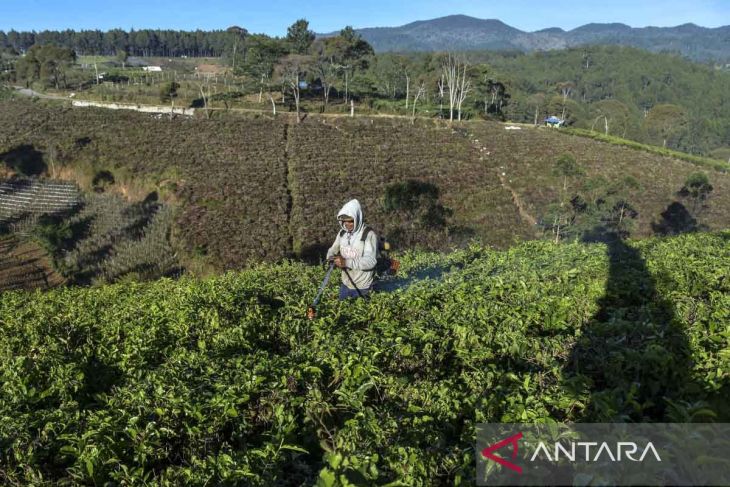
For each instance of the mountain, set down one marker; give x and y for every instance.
(464, 33)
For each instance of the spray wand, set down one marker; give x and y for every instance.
(312, 310)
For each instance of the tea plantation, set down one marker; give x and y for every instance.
(224, 381)
(248, 190)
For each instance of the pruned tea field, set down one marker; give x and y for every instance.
(247, 190)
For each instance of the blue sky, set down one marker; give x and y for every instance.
(273, 16)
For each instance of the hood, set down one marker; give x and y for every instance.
(352, 209)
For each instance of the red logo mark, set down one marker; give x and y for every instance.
(512, 440)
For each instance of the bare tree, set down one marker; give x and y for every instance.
(204, 88)
(408, 84)
(455, 77)
(464, 88)
(566, 89)
(327, 72)
(538, 99)
(441, 86)
(292, 76)
(264, 82)
(605, 120)
(421, 91)
(273, 103)
(451, 76)
(347, 72)
(346, 69)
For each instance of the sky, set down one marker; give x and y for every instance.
(272, 17)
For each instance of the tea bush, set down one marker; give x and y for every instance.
(224, 381)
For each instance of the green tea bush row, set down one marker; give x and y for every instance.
(224, 381)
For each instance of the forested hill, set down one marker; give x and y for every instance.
(463, 33)
(452, 33)
(659, 99)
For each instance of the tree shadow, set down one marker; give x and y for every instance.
(99, 378)
(313, 253)
(82, 142)
(24, 159)
(141, 214)
(88, 263)
(102, 180)
(633, 355)
(676, 220)
(422, 220)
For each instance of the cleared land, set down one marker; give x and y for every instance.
(527, 157)
(25, 265)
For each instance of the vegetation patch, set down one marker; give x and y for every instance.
(225, 380)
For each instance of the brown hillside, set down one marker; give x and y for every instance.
(25, 265)
(528, 155)
(262, 189)
(346, 158)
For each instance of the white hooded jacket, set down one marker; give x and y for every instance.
(360, 257)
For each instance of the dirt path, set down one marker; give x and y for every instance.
(524, 214)
(517, 201)
(290, 182)
(190, 111)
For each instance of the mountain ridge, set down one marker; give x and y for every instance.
(465, 33)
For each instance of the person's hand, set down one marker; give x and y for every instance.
(340, 262)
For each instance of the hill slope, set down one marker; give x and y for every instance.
(252, 190)
(25, 265)
(527, 157)
(224, 380)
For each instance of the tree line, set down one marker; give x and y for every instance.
(143, 42)
(626, 92)
(156, 42)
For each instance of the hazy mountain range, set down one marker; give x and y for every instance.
(461, 32)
